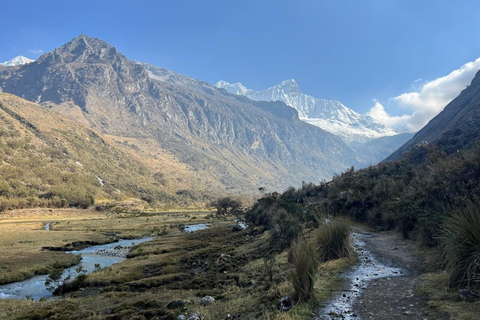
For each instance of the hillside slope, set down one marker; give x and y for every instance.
(456, 127)
(46, 159)
(226, 142)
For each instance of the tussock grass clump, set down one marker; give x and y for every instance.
(333, 240)
(305, 265)
(462, 246)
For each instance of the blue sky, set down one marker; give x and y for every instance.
(352, 51)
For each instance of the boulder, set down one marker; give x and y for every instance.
(196, 316)
(207, 300)
(285, 303)
(240, 226)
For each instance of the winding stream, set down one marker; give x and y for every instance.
(104, 255)
(356, 281)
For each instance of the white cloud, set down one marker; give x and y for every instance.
(428, 101)
(35, 51)
(378, 113)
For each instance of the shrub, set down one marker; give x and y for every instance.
(333, 240)
(286, 228)
(305, 264)
(226, 206)
(461, 246)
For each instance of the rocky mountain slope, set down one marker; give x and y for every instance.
(224, 142)
(455, 128)
(330, 115)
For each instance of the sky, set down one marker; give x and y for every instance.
(398, 61)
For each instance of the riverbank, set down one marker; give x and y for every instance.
(23, 235)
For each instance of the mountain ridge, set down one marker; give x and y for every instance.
(239, 144)
(454, 128)
(330, 115)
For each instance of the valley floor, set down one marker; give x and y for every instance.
(233, 267)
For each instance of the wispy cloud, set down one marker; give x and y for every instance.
(429, 100)
(35, 51)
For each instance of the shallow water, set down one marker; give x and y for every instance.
(105, 255)
(195, 227)
(357, 280)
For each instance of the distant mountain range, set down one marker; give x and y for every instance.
(188, 131)
(17, 61)
(372, 141)
(330, 115)
(176, 136)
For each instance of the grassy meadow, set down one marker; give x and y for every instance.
(238, 269)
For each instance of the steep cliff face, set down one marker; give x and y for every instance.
(455, 128)
(230, 142)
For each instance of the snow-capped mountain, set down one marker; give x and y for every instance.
(17, 61)
(330, 115)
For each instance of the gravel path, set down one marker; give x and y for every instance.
(378, 296)
(394, 297)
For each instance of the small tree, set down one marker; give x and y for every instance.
(226, 206)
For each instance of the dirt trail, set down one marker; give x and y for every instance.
(389, 296)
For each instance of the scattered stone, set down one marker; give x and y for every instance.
(285, 303)
(240, 226)
(207, 300)
(196, 316)
(178, 304)
(223, 258)
(181, 317)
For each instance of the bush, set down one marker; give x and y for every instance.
(286, 228)
(226, 206)
(333, 240)
(461, 246)
(305, 264)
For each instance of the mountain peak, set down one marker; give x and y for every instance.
(235, 88)
(289, 82)
(329, 115)
(290, 85)
(17, 61)
(85, 49)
